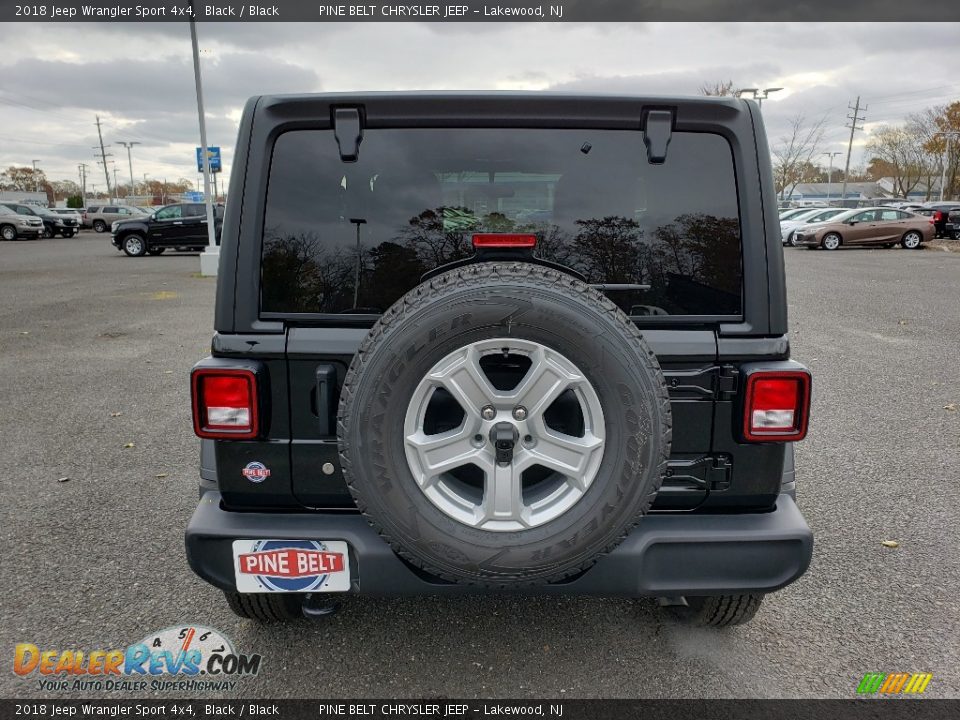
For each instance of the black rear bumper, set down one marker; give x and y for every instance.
(666, 555)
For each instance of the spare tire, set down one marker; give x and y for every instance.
(504, 424)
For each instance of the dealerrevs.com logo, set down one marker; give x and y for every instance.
(187, 658)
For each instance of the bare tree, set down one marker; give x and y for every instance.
(923, 126)
(793, 154)
(901, 148)
(723, 87)
(946, 119)
(22, 178)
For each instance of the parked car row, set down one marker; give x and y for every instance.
(51, 223)
(881, 226)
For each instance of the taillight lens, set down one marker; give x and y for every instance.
(225, 404)
(937, 216)
(504, 240)
(777, 406)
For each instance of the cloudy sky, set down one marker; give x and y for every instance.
(138, 77)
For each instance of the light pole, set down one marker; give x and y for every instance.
(756, 92)
(128, 146)
(946, 158)
(210, 257)
(36, 179)
(830, 172)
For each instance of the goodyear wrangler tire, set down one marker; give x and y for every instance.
(504, 424)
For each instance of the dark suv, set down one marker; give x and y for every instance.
(182, 226)
(523, 343)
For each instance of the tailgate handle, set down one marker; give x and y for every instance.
(349, 133)
(657, 131)
(326, 389)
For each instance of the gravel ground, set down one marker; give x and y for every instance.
(95, 350)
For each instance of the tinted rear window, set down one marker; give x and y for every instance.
(354, 237)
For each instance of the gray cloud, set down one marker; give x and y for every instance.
(139, 77)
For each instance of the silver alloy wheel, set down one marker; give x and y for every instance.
(831, 241)
(507, 501)
(911, 240)
(133, 245)
(9, 233)
(792, 239)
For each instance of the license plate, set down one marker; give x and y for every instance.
(297, 566)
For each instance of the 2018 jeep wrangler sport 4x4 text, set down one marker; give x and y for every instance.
(500, 343)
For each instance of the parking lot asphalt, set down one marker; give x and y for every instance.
(95, 351)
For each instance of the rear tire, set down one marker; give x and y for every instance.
(457, 527)
(156, 251)
(719, 610)
(99, 226)
(911, 240)
(67, 234)
(264, 607)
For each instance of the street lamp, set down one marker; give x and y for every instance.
(129, 146)
(830, 172)
(758, 94)
(36, 179)
(946, 158)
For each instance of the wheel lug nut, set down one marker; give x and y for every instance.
(488, 412)
(519, 413)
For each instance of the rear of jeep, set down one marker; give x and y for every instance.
(500, 343)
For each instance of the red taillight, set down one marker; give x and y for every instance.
(776, 406)
(937, 216)
(504, 240)
(225, 404)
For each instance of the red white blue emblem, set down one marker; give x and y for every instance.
(255, 472)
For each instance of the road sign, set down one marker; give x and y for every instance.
(213, 153)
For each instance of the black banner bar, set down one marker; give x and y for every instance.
(476, 11)
(445, 709)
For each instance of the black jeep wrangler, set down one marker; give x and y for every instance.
(500, 343)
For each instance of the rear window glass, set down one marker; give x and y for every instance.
(354, 237)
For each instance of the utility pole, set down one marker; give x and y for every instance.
(82, 167)
(854, 119)
(830, 172)
(950, 134)
(36, 179)
(103, 156)
(210, 258)
(128, 146)
(116, 185)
